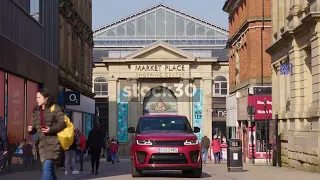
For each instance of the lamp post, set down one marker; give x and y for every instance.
(251, 111)
(265, 129)
(277, 140)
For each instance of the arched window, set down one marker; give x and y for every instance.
(101, 86)
(220, 85)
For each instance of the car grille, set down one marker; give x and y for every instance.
(168, 143)
(168, 158)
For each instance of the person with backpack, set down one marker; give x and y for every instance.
(3, 143)
(114, 150)
(47, 124)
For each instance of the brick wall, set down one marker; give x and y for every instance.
(245, 26)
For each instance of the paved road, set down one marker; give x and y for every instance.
(121, 171)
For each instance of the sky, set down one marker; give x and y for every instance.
(108, 11)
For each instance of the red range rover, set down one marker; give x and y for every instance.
(165, 142)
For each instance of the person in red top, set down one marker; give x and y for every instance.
(81, 146)
(114, 149)
(216, 148)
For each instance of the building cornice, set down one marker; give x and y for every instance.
(279, 44)
(305, 25)
(243, 27)
(230, 6)
(78, 24)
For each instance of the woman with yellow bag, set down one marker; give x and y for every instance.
(47, 124)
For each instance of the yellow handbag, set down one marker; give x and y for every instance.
(66, 136)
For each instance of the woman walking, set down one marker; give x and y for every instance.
(47, 124)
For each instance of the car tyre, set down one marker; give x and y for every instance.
(134, 171)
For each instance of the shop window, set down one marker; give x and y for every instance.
(101, 86)
(261, 136)
(220, 85)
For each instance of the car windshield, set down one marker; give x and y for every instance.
(164, 124)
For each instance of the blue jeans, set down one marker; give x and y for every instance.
(204, 154)
(216, 157)
(80, 154)
(113, 157)
(48, 172)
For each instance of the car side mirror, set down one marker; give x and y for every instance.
(131, 130)
(196, 129)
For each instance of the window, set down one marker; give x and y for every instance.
(101, 86)
(220, 85)
(35, 9)
(32, 7)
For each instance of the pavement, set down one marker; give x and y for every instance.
(121, 171)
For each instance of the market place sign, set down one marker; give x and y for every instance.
(159, 71)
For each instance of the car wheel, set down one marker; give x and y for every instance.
(134, 171)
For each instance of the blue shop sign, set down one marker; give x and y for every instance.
(286, 69)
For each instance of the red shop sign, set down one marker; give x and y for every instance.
(258, 103)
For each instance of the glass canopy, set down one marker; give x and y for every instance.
(161, 24)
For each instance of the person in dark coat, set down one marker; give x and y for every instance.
(47, 124)
(95, 144)
(3, 143)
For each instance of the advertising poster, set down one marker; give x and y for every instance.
(77, 120)
(32, 89)
(88, 124)
(15, 108)
(2, 93)
(258, 103)
(122, 116)
(198, 111)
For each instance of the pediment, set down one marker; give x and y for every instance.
(159, 50)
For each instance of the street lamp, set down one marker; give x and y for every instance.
(251, 111)
(265, 129)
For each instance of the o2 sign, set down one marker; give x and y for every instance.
(72, 98)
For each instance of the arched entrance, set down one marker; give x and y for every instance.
(159, 100)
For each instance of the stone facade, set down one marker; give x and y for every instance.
(75, 60)
(160, 57)
(295, 81)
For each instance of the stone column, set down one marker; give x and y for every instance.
(112, 91)
(185, 99)
(206, 86)
(315, 63)
(295, 100)
(133, 105)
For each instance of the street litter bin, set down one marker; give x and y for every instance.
(234, 153)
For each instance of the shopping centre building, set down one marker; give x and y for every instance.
(160, 60)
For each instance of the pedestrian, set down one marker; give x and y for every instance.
(205, 145)
(47, 124)
(3, 143)
(27, 154)
(114, 150)
(70, 157)
(216, 149)
(118, 151)
(95, 144)
(81, 146)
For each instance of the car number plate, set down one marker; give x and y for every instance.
(168, 150)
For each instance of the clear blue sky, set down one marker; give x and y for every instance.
(108, 11)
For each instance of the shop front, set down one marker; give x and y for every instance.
(263, 112)
(79, 108)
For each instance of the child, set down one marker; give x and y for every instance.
(113, 150)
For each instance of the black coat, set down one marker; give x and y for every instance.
(3, 136)
(95, 139)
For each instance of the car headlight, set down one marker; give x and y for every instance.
(191, 142)
(144, 142)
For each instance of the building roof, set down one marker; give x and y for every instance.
(160, 22)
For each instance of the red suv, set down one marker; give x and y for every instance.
(165, 142)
